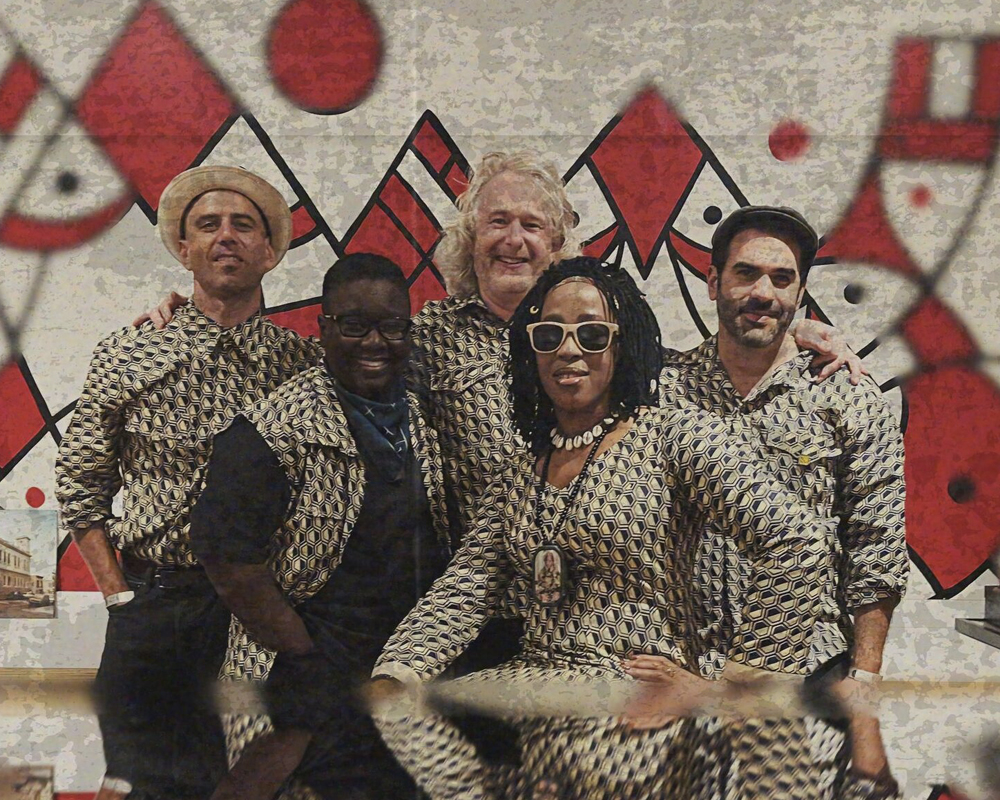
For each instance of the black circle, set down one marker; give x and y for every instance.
(67, 182)
(854, 293)
(961, 489)
(712, 215)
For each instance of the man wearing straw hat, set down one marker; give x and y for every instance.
(152, 401)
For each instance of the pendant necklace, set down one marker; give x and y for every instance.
(549, 577)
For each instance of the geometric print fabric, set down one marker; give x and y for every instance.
(839, 449)
(150, 406)
(628, 574)
(460, 351)
(304, 425)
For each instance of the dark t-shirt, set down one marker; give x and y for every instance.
(390, 559)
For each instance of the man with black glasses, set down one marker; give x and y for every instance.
(321, 524)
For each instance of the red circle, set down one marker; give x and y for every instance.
(325, 55)
(788, 140)
(920, 196)
(34, 497)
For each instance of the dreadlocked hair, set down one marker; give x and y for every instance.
(638, 359)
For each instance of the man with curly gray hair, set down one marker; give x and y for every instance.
(514, 221)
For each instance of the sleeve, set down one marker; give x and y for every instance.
(88, 475)
(449, 617)
(244, 501)
(871, 494)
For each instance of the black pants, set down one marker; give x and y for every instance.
(346, 758)
(161, 657)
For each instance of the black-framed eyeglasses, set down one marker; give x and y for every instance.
(392, 329)
(592, 336)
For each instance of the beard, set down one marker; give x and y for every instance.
(747, 334)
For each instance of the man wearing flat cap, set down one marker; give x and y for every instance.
(803, 605)
(152, 401)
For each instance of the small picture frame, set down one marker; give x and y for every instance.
(28, 555)
(549, 579)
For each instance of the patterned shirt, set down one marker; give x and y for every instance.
(839, 448)
(459, 362)
(150, 406)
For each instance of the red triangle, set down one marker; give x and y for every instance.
(599, 247)
(18, 86)
(21, 419)
(865, 234)
(425, 287)
(408, 211)
(647, 162)
(379, 234)
(72, 574)
(430, 145)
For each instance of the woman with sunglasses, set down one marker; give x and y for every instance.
(604, 499)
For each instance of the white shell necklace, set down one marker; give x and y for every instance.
(585, 439)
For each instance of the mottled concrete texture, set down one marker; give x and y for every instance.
(549, 76)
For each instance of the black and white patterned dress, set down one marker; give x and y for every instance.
(629, 590)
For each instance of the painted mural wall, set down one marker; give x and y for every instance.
(879, 121)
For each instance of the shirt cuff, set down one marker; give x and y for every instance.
(399, 671)
(863, 596)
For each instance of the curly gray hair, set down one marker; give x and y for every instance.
(454, 253)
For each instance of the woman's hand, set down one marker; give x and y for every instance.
(666, 692)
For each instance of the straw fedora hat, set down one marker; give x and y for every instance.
(192, 183)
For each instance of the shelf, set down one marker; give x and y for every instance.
(979, 630)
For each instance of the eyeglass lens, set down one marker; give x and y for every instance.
(358, 327)
(591, 336)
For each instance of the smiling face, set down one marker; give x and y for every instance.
(758, 290)
(226, 246)
(578, 383)
(370, 366)
(515, 238)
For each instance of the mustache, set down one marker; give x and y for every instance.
(760, 307)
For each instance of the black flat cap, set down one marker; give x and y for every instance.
(770, 219)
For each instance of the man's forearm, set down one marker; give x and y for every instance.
(100, 559)
(249, 591)
(871, 626)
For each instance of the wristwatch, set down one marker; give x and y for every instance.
(118, 598)
(863, 676)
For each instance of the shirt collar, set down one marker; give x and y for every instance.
(249, 337)
(474, 305)
(789, 374)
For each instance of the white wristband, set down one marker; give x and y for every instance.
(863, 676)
(118, 599)
(116, 784)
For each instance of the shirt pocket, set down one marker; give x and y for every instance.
(470, 401)
(461, 375)
(805, 462)
(163, 460)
